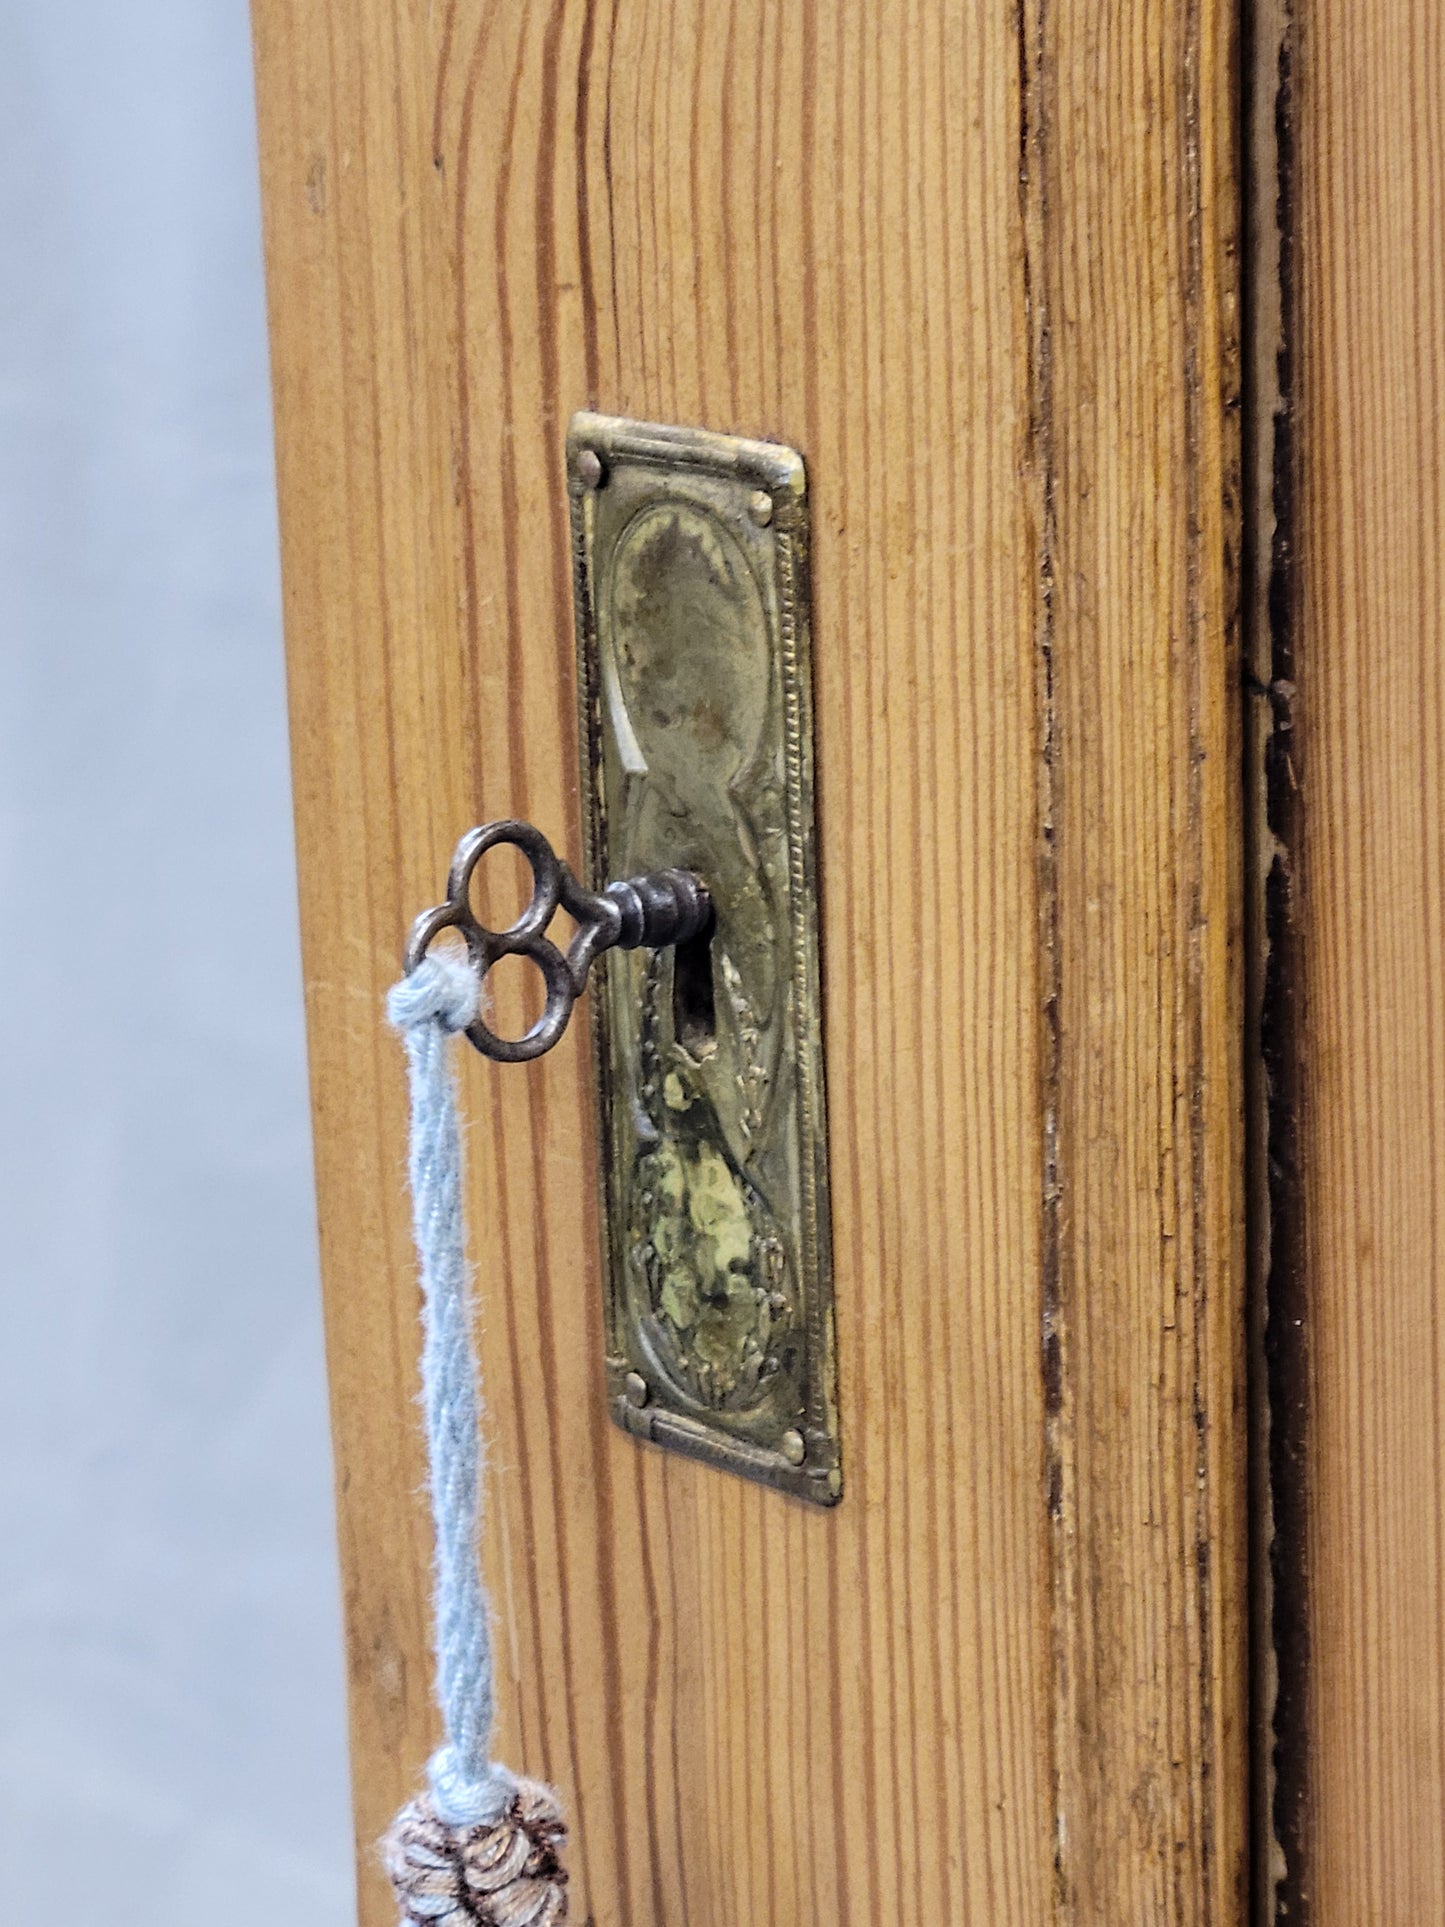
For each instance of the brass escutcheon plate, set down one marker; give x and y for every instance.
(695, 686)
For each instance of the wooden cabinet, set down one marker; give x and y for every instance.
(982, 265)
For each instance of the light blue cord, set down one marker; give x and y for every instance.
(429, 1006)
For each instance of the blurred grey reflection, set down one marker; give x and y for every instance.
(171, 1697)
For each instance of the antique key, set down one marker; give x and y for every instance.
(650, 912)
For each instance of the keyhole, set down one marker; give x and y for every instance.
(694, 1014)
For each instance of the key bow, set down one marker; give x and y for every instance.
(664, 907)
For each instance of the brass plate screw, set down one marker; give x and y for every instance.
(635, 1386)
(794, 1447)
(760, 508)
(589, 468)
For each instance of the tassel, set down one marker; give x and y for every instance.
(504, 1875)
(480, 1847)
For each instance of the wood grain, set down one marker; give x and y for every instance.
(1144, 1213)
(1368, 529)
(976, 264)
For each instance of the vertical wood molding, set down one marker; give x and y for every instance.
(1362, 604)
(978, 266)
(1133, 227)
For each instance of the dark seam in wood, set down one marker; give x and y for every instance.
(1279, 1360)
(1031, 28)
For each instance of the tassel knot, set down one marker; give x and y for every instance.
(509, 1874)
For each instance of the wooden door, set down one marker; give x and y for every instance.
(978, 262)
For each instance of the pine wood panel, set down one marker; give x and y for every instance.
(1142, 936)
(975, 264)
(1368, 526)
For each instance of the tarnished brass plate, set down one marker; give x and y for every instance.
(691, 562)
